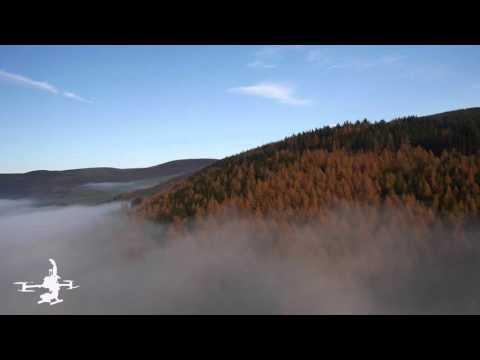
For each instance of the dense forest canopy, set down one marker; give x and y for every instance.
(428, 165)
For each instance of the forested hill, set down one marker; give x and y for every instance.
(458, 130)
(430, 164)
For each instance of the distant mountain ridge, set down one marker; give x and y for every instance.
(43, 183)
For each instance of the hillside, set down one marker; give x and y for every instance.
(429, 165)
(60, 184)
(136, 196)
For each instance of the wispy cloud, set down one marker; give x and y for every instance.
(26, 81)
(320, 55)
(267, 57)
(275, 50)
(260, 64)
(316, 55)
(75, 97)
(369, 63)
(38, 85)
(274, 91)
(267, 52)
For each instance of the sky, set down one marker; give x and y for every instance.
(65, 107)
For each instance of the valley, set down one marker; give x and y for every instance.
(369, 218)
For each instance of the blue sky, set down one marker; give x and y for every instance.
(65, 107)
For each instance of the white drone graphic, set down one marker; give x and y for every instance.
(51, 283)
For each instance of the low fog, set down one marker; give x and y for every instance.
(126, 267)
(120, 187)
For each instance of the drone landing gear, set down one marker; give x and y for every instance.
(46, 298)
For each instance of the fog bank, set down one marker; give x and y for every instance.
(126, 267)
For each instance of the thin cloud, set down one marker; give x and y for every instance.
(367, 64)
(73, 96)
(26, 81)
(38, 85)
(261, 65)
(278, 92)
(317, 55)
(274, 50)
(267, 56)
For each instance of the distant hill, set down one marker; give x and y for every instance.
(58, 184)
(430, 164)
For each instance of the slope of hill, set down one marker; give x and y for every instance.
(61, 184)
(137, 195)
(429, 164)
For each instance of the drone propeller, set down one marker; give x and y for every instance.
(69, 285)
(24, 286)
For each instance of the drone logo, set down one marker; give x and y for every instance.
(51, 283)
